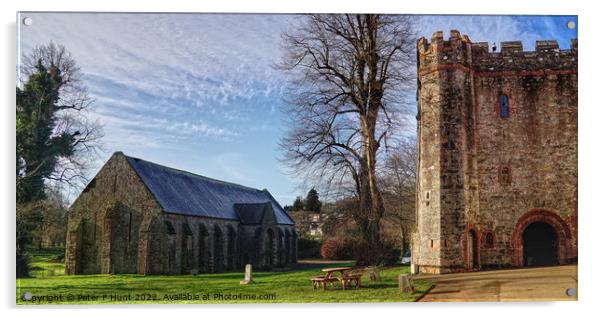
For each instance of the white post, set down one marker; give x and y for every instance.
(248, 275)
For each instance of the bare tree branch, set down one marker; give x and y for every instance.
(346, 98)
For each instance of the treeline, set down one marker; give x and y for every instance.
(311, 203)
(339, 240)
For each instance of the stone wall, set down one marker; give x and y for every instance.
(99, 221)
(116, 226)
(484, 175)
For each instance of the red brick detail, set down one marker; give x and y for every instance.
(484, 239)
(511, 73)
(465, 238)
(573, 221)
(563, 235)
(505, 73)
(500, 176)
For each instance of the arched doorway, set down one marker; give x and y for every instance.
(186, 249)
(232, 248)
(218, 249)
(547, 226)
(294, 247)
(472, 250)
(287, 246)
(202, 255)
(171, 247)
(280, 252)
(540, 245)
(86, 253)
(269, 247)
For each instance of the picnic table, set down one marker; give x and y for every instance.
(345, 278)
(330, 271)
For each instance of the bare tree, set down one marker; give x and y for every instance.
(398, 180)
(346, 102)
(72, 116)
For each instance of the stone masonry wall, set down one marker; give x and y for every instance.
(484, 175)
(115, 191)
(116, 226)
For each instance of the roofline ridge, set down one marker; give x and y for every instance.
(279, 206)
(191, 173)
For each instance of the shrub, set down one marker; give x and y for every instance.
(337, 249)
(308, 248)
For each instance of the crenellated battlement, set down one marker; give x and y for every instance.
(458, 50)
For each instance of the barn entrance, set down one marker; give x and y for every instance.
(218, 250)
(540, 245)
(269, 247)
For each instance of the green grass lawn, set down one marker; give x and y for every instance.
(50, 285)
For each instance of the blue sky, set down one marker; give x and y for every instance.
(198, 91)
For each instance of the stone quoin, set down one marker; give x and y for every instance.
(497, 155)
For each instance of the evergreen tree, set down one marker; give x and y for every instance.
(38, 147)
(298, 204)
(312, 201)
(54, 141)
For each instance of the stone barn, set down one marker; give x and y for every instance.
(140, 217)
(497, 157)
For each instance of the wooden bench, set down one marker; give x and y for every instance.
(348, 279)
(321, 281)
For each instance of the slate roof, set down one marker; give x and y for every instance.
(252, 214)
(185, 193)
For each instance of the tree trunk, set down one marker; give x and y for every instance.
(371, 203)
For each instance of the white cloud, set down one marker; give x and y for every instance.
(170, 72)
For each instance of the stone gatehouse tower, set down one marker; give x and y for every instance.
(497, 156)
(140, 217)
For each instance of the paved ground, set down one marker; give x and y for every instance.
(532, 284)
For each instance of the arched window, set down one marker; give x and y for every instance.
(504, 107)
(505, 176)
(169, 227)
(489, 240)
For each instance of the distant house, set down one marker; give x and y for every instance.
(140, 217)
(308, 222)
